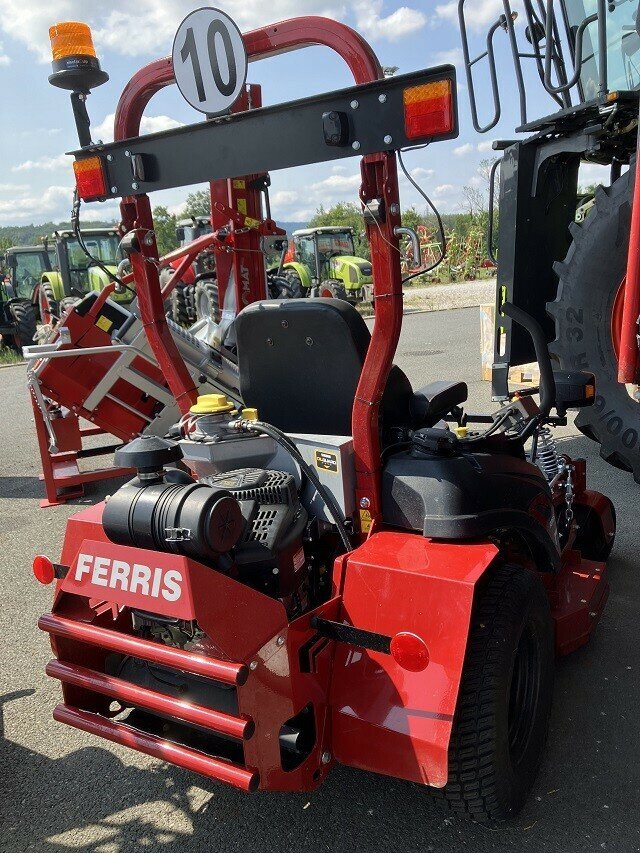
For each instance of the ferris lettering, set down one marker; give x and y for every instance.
(135, 578)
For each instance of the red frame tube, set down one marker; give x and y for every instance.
(379, 181)
(182, 756)
(113, 641)
(628, 348)
(127, 693)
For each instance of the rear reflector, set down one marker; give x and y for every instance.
(428, 109)
(90, 178)
(409, 651)
(43, 569)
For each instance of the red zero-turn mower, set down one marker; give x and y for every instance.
(352, 572)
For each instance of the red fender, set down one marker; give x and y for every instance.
(384, 718)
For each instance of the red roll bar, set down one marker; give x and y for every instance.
(628, 347)
(380, 180)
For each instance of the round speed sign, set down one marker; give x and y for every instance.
(209, 61)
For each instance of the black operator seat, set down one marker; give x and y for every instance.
(300, 361)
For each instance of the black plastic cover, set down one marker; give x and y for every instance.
(470, 496)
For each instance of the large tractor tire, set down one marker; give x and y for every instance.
(504, 703)
(178, 308)
(48, 305)
(587, 315)
(25, 318)
(206, 299)
(288, 285)
(333, 289)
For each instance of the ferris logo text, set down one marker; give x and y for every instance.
(134, 578)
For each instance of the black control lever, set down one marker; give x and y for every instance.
(547, 381)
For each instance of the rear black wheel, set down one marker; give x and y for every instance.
(504, 703)
(587, 314)
(24, 317)
(49, 309)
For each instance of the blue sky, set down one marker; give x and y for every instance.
(36, 178)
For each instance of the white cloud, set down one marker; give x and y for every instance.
(485, 146)
(283, 198)
(54, 202)
(149, 124)
(337, 182)
(478, 14)
(444, 189)
(421, 172)
(15, 189)
(463, 150)
(448, 57)
(4, 59)
(46, 164)
(373, 24)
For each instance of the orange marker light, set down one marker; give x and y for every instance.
(428, 109)
(72, 38)
(90, 178)
(43, 569)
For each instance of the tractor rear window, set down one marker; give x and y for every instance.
(623, 45)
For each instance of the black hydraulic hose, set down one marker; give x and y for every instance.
(285, 442)
(547, 381)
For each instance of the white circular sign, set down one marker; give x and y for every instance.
(209, 61)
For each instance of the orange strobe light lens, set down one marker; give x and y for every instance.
(428, 109)
(72, 38)
(90, 178)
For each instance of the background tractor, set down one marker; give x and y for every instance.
(322, 262)
(23, 266)
(73, 273)
(569, 269)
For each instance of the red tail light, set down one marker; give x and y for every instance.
(428, 109)
(90, 178)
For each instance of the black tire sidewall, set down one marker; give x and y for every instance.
(589, 281)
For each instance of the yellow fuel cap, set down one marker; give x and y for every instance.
(461, 431)
(250, 414)
(211, 404)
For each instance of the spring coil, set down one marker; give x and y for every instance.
(547, 458)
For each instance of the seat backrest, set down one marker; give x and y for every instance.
(300, 361)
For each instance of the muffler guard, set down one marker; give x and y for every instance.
(248, 648)
(385, 718)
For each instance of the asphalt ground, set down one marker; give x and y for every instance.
(62, 790)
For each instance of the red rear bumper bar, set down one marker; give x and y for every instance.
(219, 670)
(127, 693)
(182, 756)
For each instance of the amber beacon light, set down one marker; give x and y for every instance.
(75, 64)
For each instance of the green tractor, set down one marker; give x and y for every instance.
(23, 269)
(322, 262)
(73, 274)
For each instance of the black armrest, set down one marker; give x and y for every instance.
(435, 400)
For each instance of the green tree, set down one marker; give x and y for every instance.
(165, 225)
(198, 203)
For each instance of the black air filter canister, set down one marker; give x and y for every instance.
(196, 520)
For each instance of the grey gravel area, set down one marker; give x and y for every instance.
(61, 790)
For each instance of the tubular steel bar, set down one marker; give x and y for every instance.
(182, 756)
(116, 688)
(83, 632)
(379, 181)
(628, 350)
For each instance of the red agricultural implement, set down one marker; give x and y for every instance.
(351, 572)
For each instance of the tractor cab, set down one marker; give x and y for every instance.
(24, 267)
(79, 266)
(190, 229)
(323, 262)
